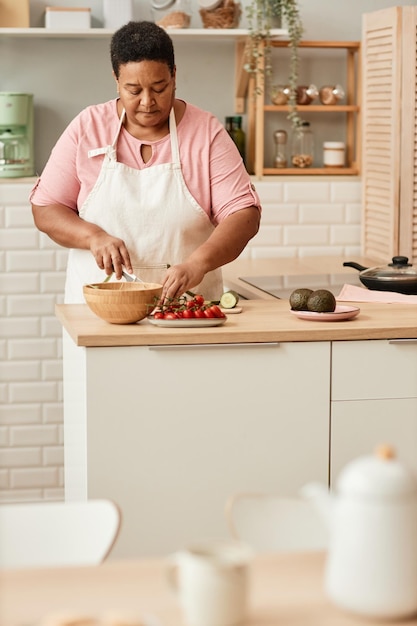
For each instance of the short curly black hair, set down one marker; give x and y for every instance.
(141, 41)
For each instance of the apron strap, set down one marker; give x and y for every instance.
(109, 150)
(119, 128)
(175, 152)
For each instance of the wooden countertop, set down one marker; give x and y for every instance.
(263, 319)
(284, 589)
(260, 321)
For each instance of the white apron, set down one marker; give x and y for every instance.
(151, 210)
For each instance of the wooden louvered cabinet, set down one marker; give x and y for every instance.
(389, 135)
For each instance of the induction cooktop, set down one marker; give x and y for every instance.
(282, 286)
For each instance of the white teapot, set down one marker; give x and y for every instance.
(371, 566)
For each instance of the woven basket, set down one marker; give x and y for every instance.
(225, 16)
(122, 303)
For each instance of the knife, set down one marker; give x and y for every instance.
(131, 278)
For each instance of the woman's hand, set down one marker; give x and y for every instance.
(65, 227)
(110, 253)
(180, 278)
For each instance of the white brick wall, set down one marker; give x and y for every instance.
(300, 218)
(31, 281)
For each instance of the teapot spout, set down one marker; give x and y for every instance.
(319, 495)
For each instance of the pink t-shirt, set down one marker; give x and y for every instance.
(212, 167)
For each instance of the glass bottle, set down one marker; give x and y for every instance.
(236, 133)
(228, 124)
(302, 146)
(280, 138)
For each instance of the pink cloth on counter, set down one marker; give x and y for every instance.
(212, 167)
(352, 293)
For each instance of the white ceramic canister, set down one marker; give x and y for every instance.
(116, 14)
(334, 154)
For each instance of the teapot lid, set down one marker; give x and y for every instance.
(378, 476)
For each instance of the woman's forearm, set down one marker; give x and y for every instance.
(67, 229)
(64, 226)
(228, 240)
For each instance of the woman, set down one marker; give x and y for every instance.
(146, 178)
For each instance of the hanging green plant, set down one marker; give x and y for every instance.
(263, 15)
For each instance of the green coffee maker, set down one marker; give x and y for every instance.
(16, 135)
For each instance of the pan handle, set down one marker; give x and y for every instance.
(357, 266)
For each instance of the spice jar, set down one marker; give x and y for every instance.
(333, 154)
(280, 138)
(305, 94)
(172, 13)
(220, 13)
(330, 94)
(280, 94)
(302, 146)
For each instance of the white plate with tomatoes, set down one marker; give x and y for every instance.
(191, 314)
(187, 323)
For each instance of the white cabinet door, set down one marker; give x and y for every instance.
(374, 400)
(171, 432)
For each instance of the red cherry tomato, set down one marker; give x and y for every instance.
(199, 313)
(217, 312)
(188, 313)
(170, 315)
(198, 300)
(209, 313)
(158, 315)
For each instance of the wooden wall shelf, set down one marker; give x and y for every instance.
(258, 109)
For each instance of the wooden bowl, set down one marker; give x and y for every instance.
(122, 303)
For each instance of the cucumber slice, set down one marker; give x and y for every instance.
(229, 300)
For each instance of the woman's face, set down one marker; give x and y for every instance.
(147, 92)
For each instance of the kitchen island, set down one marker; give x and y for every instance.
(170, 422)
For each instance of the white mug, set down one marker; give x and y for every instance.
(211, 580)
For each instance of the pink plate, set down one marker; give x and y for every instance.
(340, 313)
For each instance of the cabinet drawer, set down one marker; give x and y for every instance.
(359, 427)
(375, 369)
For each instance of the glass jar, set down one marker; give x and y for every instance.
(220, 13)
(330, 94)
(280, 138)
(305, 94)
(280, 94)
(171, 13)
(302, 146)
(150, 273)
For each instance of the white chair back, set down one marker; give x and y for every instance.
(271, 523)
(57, 534)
